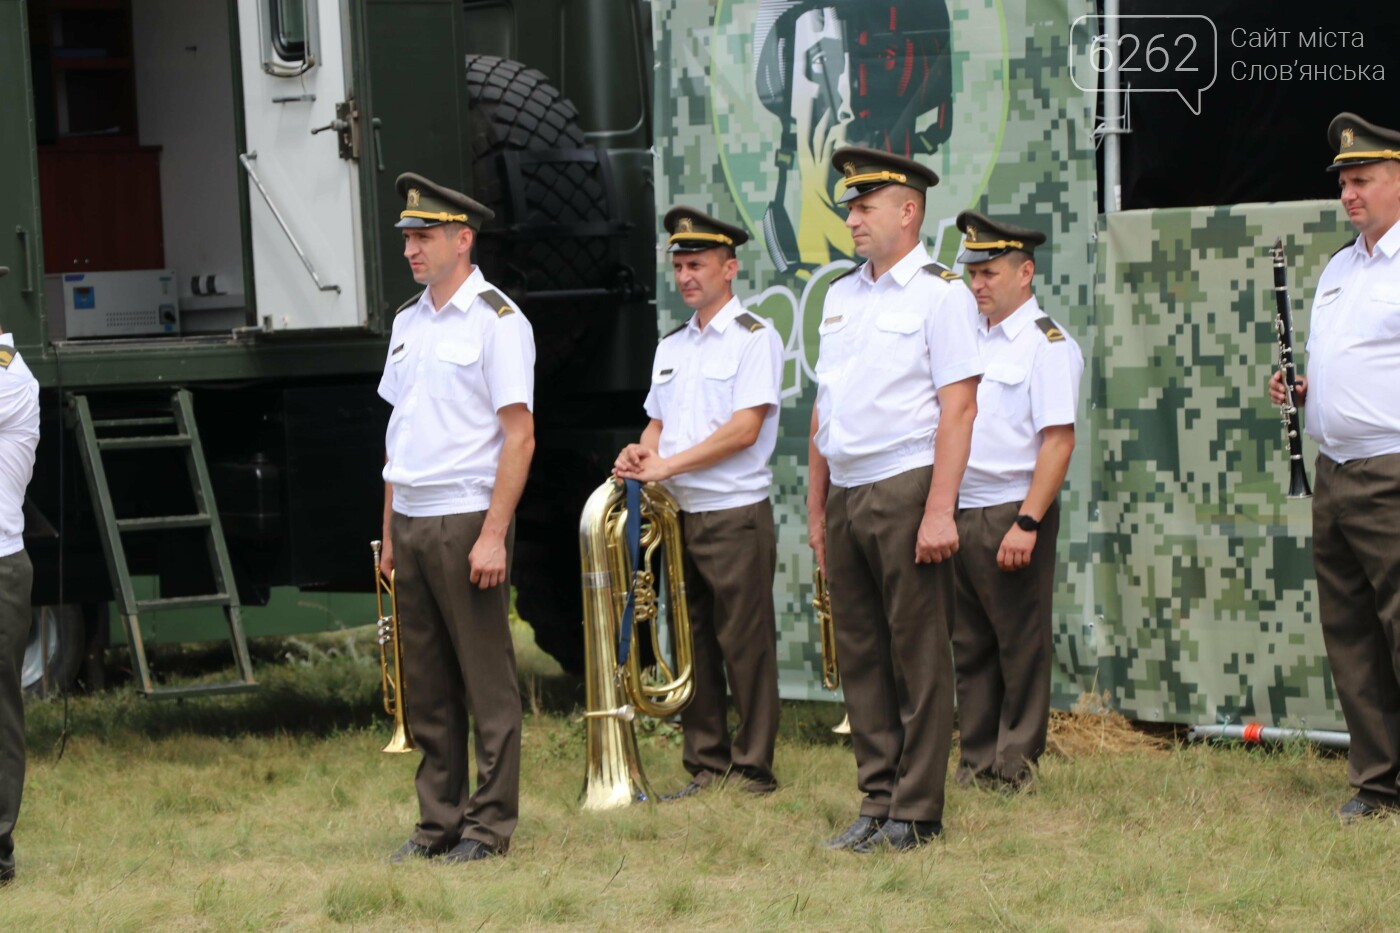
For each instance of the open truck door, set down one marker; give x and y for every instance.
(303, 139)
(21, 305)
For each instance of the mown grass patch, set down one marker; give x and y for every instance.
(276, 811)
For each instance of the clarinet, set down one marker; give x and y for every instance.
(1298, 487)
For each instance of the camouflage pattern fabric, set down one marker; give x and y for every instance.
(1186, 588)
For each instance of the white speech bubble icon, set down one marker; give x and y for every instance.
(1174, 54)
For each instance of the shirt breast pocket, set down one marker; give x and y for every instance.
(832, 349)
(454, 369)
(1004, 392)
(1381, 312)
(720, 376)
(899, 337)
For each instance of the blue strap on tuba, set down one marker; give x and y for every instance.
(633, 531)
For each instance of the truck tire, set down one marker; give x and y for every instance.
(66, 635)
(516, 110)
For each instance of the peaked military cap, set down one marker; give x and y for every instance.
(986, 239)
(691, 231)
(865, 170)
(1360, 143)
(428, 204)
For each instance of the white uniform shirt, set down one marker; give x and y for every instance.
(447, 374)
(19, 436)
(1030, 384)
(887, 346)
(699, 379)
(1353, 408)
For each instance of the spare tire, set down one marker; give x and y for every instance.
(551, 230)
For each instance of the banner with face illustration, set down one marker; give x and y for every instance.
(752, 98)
(1185, 586)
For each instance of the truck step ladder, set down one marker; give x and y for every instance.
(175, 430)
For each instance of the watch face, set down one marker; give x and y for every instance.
(1027, 523)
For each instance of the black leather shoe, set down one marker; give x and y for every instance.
(859, 831)
(689, 790)
(469, 850)
(899, 835)
(411, 850)
(1358, 808)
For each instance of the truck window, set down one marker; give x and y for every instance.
(288, 21)
(288, 36)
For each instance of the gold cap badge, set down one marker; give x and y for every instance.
(413, 198)
(1348, 138)
(685, 225)
(972, 233)
(850, 169)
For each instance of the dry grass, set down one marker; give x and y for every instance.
(246, 814)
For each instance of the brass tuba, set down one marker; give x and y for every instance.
(831, 675)
(387, 634)
(616, 693)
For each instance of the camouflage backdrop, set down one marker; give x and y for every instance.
(1186, 583)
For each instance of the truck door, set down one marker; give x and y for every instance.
(20, 291)
(300, 154)
(414, 111)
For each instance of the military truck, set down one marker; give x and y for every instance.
(197, 214)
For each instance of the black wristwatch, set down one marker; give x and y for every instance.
(1026, 523)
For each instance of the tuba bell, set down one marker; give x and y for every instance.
(390, 646)
(618, 688)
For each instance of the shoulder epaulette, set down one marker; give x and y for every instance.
(409, 303)
(942, 271)
(7, 356)
(1050, 329)
(748, 322)
(851, 271)
(496, 302)
(1348, 243)
(676, 330)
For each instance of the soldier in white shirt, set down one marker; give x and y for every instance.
(19, 436)
(1008, 508)
(713, 404)
(460, 375)
(1353, 413)
(896, 396)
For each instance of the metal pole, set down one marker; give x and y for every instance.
(1256, 734)
(1112, 116)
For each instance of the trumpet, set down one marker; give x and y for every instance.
(831, 674)
(390, 644)
(821, 601)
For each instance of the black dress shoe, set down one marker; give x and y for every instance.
(411, 850)
(1358, 808)
(689, 790)
(470, 850)
(859, 831)
(899, 835)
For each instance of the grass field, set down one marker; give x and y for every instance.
(277, 810)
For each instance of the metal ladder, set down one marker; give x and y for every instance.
(175, 430)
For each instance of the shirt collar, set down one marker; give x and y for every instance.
(904, 270)
(1388, 244)
(1016, 321)
(7, 339)
(732, 309)
(462, 298)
